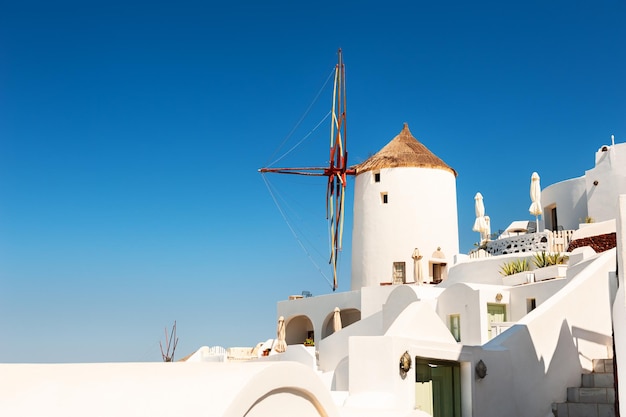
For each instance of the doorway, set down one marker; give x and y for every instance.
(496, 313)
(438, 387)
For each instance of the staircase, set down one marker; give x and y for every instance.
(594, 398)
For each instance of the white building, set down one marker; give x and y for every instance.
(592, 197)
(405, 216)
(462, 340)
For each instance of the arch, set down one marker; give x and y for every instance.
(298, 329)
(286, 401)
(348, 316)
(281, 389)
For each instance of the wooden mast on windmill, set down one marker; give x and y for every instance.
(337, 169)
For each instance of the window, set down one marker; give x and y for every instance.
(384, 198)
(455, 326)
(377, 176)
(531, 304)
(399, 273)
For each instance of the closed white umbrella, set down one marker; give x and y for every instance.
(535, 197)
(281, 345)
(337, 320)
(480, 224)
(417, 267)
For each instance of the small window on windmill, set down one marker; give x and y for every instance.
(399, 272)
(377, 176)
(531, 304)
(384, 198)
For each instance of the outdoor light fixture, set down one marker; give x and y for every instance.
(481, 369)
(498, 297)
(405, 364)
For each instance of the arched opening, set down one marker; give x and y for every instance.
(287, 402)
(348, 316)
(298, 329)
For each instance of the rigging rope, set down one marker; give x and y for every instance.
(295, 235)
(301, 140)
(306, 112)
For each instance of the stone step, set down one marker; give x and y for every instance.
(597, 380)
(591, 395)
(584, 410)
(602, 365)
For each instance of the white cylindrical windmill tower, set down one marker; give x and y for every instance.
(405, 216)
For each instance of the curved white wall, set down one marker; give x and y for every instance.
(570, 199)
(163, 390)
(595, 194)
(421, 213)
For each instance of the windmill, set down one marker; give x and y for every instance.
(168, 355)
(337, 169)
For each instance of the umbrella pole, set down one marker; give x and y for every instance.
(536, 224)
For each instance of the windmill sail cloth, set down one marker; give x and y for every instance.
(337, 320)
(281, 345)
(535, 196)
(480, 224)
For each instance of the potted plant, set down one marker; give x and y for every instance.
(549, 265)
(515, 272)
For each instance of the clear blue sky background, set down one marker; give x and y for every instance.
(131, 134)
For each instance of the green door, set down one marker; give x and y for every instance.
(496, 313)
(438, 387)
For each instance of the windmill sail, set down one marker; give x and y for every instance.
(337, 170)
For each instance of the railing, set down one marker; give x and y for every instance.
(561, 240)
(498, 327)
(479, 253)
(546, 241)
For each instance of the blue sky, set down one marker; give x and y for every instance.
(131, 134)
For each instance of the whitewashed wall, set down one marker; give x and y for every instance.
(317, 309)
(421, 213)
(163, 389)
(570, 198)
(619, 306)
(547, 349)
(606, 181)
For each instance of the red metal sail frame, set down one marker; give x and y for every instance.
(337, 170)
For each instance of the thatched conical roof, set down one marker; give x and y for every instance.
(403, 151)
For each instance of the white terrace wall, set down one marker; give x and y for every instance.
(317, 309)
(557, 241)
(163, 389)
(480, 271)
(545, 352)
(540, 292)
